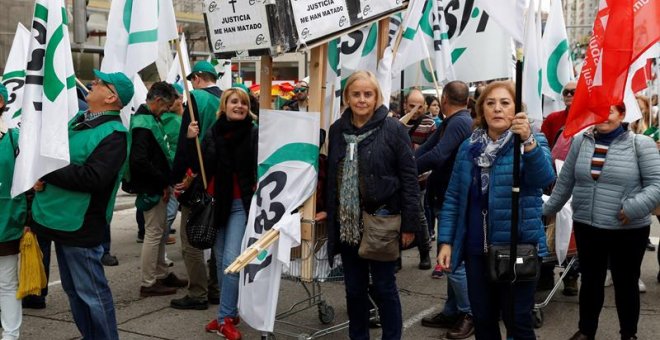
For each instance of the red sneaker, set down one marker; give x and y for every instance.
(214, 327)
(228, 330)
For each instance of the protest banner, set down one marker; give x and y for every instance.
(287, 173)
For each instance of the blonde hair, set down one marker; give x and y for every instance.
(640, 125)
(480, 120)
(369, 77)
(242, 95)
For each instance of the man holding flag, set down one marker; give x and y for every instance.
(204, 102)
(98, 148)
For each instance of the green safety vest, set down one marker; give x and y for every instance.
(12, 211)
(62, 209)
(171, 125)
(149, 122)
(207, 110)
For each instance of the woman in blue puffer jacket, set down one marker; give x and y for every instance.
(477, 209)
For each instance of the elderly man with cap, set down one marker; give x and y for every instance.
(149, 173)
(205, 101)
(72, 205)
(12, 219)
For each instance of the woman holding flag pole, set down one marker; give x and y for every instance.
(230, 156)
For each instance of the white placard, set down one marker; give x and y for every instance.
(370, 8)
(235, 25)
(318, 18)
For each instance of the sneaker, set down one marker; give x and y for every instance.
(169, 262)
(214, 327)
(109, 260)
(157, 289)
(173, 281)
(228, 330)
(608, 279)
(170, 240)
(642, 286)
(34, 302)
(438, 272)
(440, 321)
(187, 302)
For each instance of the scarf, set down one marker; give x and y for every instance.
(349, 194)
(484, 151)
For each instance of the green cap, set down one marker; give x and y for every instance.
(241, 86)
(122, 84)
(4, 94)
(203, 66)
(178, 88)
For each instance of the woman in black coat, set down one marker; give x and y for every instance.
(371, 169)
(230, 157)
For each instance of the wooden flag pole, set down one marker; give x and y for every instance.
(191, 110)
(84, 88)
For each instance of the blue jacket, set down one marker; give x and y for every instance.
(536, 173)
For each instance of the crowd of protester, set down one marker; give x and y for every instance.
(441, 169)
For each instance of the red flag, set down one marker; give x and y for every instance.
(642, 76)
(623, 30)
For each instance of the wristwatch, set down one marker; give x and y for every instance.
(529, 141)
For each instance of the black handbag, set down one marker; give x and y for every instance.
(194, 192)
(527, 267)
(200, 227)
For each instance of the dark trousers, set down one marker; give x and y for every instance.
(139, 218)
(386, 295)
(106, 239)
(625, 251)
(490, 300)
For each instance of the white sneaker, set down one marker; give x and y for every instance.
(608, 280)
(169, 262)
(642, 286)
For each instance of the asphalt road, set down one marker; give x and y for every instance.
(152, 318)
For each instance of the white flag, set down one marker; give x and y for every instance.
(135, 29)
(633, 111)
(223, 68)
(287, 174)
(417, 31)
(532, 69)
(557, 63)
(508, 14)
(49, 98)
(14, 76)
(174, 75)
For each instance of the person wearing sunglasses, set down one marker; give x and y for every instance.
(299, 101)
(554, 122)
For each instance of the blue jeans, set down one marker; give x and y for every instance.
(490, 300)
(106, 239)
(384, 290)
(227, 248)
(457, 293)
(90, 298)
(172, 209)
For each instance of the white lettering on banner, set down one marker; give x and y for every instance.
(639, 4)
(238, 25)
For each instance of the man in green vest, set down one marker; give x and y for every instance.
(150, 166)
(72, 205)
(205, 101)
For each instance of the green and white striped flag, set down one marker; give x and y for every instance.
(49, 98)
(135, 29)
(557, 63)
(14, 76)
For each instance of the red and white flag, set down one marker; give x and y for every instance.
(623, 30)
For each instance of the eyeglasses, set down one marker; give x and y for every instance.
(300, 89)
(568, 92)
(99, 81)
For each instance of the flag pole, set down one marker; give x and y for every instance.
(430, 64)
(84, 88)
(191, 110)
(515, 188)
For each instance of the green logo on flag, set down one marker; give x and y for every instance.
(553, 66)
